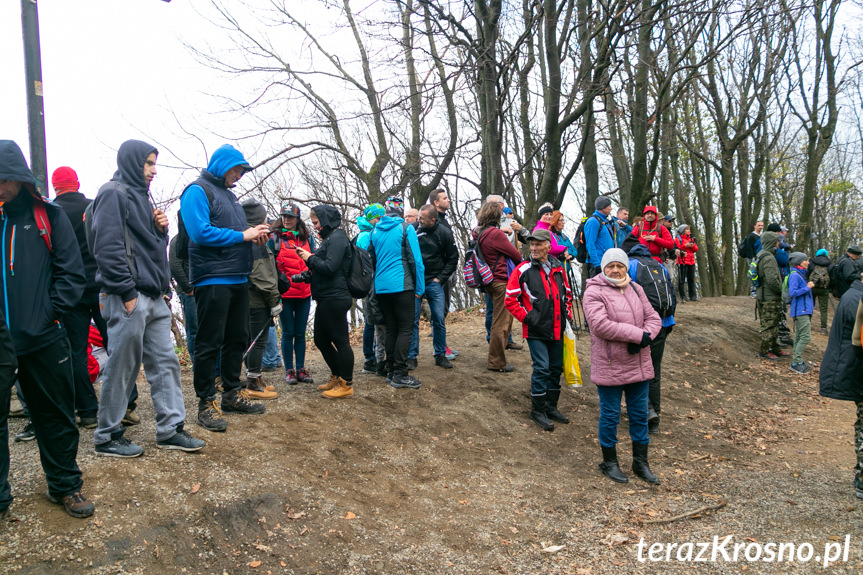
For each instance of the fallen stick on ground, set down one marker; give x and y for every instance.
(722, 503)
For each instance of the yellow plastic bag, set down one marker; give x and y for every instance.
(571, 369)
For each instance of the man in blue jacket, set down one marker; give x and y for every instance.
(130, 240)
(220, 261)
(599, 233)
(43, 279)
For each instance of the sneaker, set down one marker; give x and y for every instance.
(182, 441)
(801, 368)
(399, 381)
(291, 377)
(76, 505)
(130, 418)
(88, 422)
(411, 363)
(256, 390)
(783, 353)
(303, 376)
(27, 434)
(210, 416)
(449, 355)
(769, 355)
(452, 351)
(381, 370)
(442, 361)
(240, 403)
(341, 391)
(369, 366)
(120, 447)
(823, 331)
(390, 376)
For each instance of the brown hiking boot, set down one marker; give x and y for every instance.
(340, 390)
(76, 505)
(330, 384)
(256, 390)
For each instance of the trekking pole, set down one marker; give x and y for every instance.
(257, 337)
(577, 292)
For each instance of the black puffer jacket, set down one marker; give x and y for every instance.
(329, 264)
(39, 287)
(841, 374)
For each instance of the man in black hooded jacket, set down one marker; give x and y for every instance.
(41, 283)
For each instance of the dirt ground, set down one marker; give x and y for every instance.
(454, 478)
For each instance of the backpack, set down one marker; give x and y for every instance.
(91, 238)
(182, 234)
(652, 278)
(476, 272)
(581, 253)
(744, 250)
(360, 272)
(820, 276)
(40, 214)
(786, 295)
(838, 284)
(752, 272)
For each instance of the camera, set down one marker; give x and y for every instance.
(303, 278)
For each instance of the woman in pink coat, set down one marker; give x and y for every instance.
(622, 325)
(546, 214)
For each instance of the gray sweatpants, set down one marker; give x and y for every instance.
(143, 335)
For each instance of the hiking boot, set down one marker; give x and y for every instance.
(769, 355)
(552, 396)
(514, 346)
(783, 353)
(651, 413)
(256, 390)
(442, 361)
(341, 390)
(269, 387)
(182, 441)
(75, 504)
(27, 434)
(823, 331)
(238, 402)
(411, 363)
(88, 422)
(369, 366)
(130, 418)
(398, 381)
(210, 416)
(800, 368)
(653, 425)
(303, 376)
(537, 414)
(610, 467)
(119, 447)
(291, 377)
(330, 384)
(381, 370)
(639, 463)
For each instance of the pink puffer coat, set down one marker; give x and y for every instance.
(617, 318)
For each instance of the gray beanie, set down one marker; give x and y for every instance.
(255, 212)
(601, 203)
(797, 258)
(614, 255)
(681, 228)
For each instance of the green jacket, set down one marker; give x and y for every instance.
(770, 288)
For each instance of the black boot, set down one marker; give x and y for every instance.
(653, 425)
(551, 398)
(639, 463)
(609, 466)
(537, 414)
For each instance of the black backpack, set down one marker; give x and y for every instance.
(581, 252)
(746, 248)
(837, 284)
(652, 278)
(182, 234)
(360, 273)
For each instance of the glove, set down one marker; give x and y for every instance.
(276, 310)
(645, 340)
(669, 329)
(633, 348)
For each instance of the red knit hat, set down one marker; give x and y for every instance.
(65, 180)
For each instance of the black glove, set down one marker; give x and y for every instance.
(645, 340)
(669, 329)
(633, 348)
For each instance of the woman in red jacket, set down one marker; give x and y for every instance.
(501, 256)
(296, 302)
(653, 234)
(686, 262)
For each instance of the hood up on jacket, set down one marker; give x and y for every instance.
(389, 222)
(641, 251)
(363, 224)
(329, 217)
(130, 163)
(13, 167)
(769, 239)
(225, 158)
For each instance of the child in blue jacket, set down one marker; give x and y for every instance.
(802, 306)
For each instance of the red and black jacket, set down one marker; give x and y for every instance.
(687, 254)
(538, 300)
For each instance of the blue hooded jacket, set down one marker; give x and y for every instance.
(598, 237)
(802, 302)
(393, 274)
(365, 235)
(217, 253)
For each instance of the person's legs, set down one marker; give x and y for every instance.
(259, 318)
(403, 307)
(388, 304)
(636, 410)
(823, 297)
(331, 337)
(489, 315)
(77, 324)
(690, 278)
(768, 313)
(8, 365)
(802, 336)
(272, 358)
(212, 303)
(190, 322)
(301, 320)
(541, 374)
(414, 349)
(435, 296)
(657, 350)
(368, 338)
(236, 337)
(681, 282)
(380, 344)
(858, 446)
(609, 413)
(288, 319)
(500, 326)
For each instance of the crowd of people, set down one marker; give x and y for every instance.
(105, 267)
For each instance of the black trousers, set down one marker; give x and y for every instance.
(259, 317)
(657, 349)
(398, 309)
(49, 389)
(223, 324)
(8, 365)
(686, 274)
(331, 336)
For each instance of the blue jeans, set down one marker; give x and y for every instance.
(369, 341)
(272, 359)
(190, 320)
(547, 357)
(294, 318)
(609, 411)
(437, 304)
